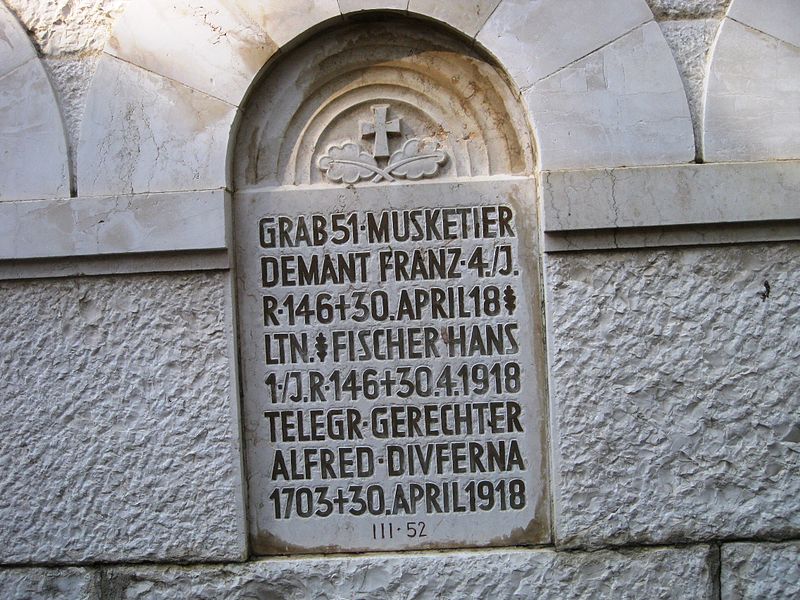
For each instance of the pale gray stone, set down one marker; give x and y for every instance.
(466, 16)
(542, 574)
(760, 571)
(92, 226)
(119, 440)
(674, 391)
(534, 39)
(348, 6)
(671, 195)
(145, 133)
(690, 41)
(778, 18)
(33, 149)
(48, 584)
(214, 46)
(688, 9)
(752, 107)
(15, 47)
(623, 105)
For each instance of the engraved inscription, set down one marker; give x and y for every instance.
(394, 391)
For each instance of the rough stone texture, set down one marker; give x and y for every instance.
(47, 584)
(118, 440)
(71, 78)
(674, 386)
(690, 41)
(688, 9)
(61, 27)
(755, 571)
(541, 574)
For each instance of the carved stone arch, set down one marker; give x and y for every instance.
(437, 87)
(601, 87)
(33, 147)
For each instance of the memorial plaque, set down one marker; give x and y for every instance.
(390, 341)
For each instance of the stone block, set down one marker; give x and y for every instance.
(349, 6)
(120, 439)
(752, 107)
(533, 39)
(677, 195)
(623, 105)
(145, 133)
(778, 18)
(658, 574)
(289, 19)
(213, 46)
(33, 150)
(467, 17)
(116, 225)
(674, 394)
(754, 571)
(48, 584)
(15, 45)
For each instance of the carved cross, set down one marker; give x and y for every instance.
(380, 129)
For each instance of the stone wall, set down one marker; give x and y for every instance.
(672, 332)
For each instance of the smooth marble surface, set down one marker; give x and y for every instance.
(753, 97)
(673, 195)
(623, 105)
(289, 19)
(778, 18)
(115, 225)
(33, 149)
(213, 46)
(15, 47)
(146, 133)
(533, 39)
(468, 16)
(348, 6)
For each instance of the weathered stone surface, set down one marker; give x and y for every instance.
(663, 573)
(674, 389)
(778, 18)
(690, 41)
(68, 26)
(623, 105)
(15, 47)
(146, 133)
(688, 9)
(534, 39)
(466, 16)
(348, 6)
(71, 78)
(33, 150)
(97, 225)
(214, 46)
(119, 440)
(752, 107)
(671, 195)
(48, 584)
(754, 571)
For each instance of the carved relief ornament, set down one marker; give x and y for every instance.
(350, 163)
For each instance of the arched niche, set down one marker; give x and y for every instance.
(390, 328)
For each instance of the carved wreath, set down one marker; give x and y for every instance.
(349, 163)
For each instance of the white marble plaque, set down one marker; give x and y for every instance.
(391, 349)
